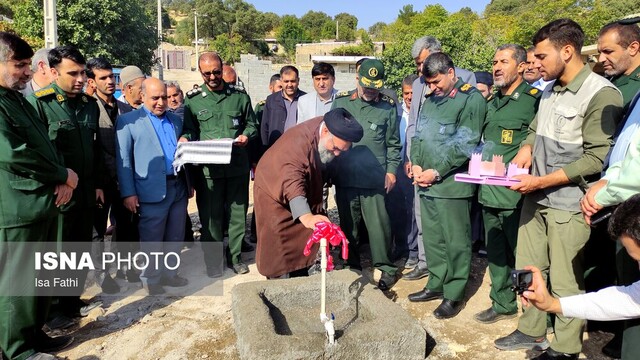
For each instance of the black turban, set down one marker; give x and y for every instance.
(484, 77)
(343, 125)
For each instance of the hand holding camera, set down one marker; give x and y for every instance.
(533, 289)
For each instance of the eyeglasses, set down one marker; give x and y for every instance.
(209, 73)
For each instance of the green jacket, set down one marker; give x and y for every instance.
(506, 126)
(73, 129)
(30, 167)
(227, 113)
(447, 132)
(378, 152)
(628, 86)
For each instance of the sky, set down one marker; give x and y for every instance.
(368, 12)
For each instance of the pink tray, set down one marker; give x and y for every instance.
(486, 180)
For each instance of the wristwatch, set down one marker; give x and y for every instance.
(438, 178)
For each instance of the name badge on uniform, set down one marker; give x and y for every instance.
(373, 127)
(442, 129)
(65, 122)
(236, 121)
(202, 112)
(507, 137)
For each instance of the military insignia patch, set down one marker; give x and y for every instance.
(44, 92)
(442, 129)
(516, 96)
(236, 121)
(373, 127)
(60, 98)
(373, 72)
(533, 91)
(204, 94)
(507, 137)
(465, 87)
(84, 98)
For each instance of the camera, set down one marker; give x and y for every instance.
(521, 280)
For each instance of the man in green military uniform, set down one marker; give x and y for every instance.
(509, 113)
(219, 110)
(448, 130)
(364, 175)
(72, 119)
(33, 182)
(619, 48)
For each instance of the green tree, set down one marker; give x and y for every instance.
(347, 25)
(376, 31)
(185, 32)
(230, 48)
(291, 32)
(271, 21)
(405, 14)
(314, 22)
(119, 30)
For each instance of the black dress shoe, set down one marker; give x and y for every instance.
(154, 289)
(448, 309)
(109, 286)
(551, 354)
(387, 281)
(490, 316)
(132, 276)
(425, 295)
(47, 344)
(60, 322)
(416, 274)
(175, 281)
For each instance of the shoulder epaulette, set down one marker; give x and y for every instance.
(193, 92)
(44, 92)
(466, 88)
(239, 88)
(87, 98)
(534, 92)
(261, 103)
(342, 94)
(388, 99)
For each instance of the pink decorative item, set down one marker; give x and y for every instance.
(490, 172)
(334, 236)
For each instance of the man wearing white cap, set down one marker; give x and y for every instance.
(131, 78)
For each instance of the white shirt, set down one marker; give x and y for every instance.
(612, 303)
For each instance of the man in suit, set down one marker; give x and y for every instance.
(42, 75)
(33, 182)
(319, 101)
(146, 141)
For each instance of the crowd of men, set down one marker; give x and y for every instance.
(73, 156)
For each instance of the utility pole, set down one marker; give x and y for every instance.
(160, 55)
(50, 24)
(337, 30)
(195, 25)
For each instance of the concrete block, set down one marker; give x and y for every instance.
(280, 319)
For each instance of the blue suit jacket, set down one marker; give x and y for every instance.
(139, 158)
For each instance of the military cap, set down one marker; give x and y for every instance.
(371, 74)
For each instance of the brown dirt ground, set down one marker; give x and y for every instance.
(135, 326)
